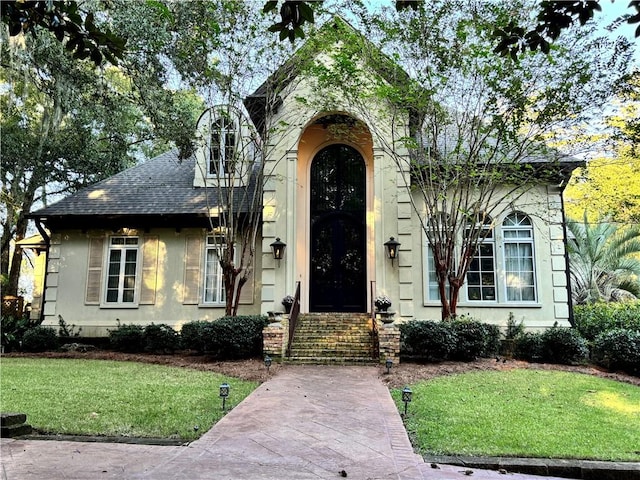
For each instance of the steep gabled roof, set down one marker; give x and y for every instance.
(159, 192)
(324, 39)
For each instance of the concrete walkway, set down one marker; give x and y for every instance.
(308, 422)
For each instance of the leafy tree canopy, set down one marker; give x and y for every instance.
(609, 185)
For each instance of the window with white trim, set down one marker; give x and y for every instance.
(437, 226)
(222, 148)
(503, 268)
(520, 283)
(214, 292)
(432, 290)
(481, 276)
(122, 270)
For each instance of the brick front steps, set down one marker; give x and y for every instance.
(333, 338)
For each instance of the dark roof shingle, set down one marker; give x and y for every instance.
(162, 186)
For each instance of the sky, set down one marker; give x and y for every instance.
(611, 10)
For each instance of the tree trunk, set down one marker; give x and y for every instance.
(455, 284)
(236, 300)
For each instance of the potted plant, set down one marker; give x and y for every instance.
(287, 302)
(382, 303)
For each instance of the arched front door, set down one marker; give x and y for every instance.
(338, 231)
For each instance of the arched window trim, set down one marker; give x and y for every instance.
(502, 243)
(224, 137)
(518, 259)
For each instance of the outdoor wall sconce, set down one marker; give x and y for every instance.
(267, 363)
(388, 364)
(392, 248)
(277, 248)
(224, 393)
(406, 398)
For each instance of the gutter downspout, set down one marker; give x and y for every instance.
(47, 242)
(562, 186)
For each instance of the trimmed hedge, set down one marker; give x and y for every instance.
(564, 345)
(39, 339)
(528, 346)
(462, 339)
(160, 339)
(475, 339)
(429, 340)
(592, 320)
(618, 349)
(554, 345)
(127, 338)
(227, 337)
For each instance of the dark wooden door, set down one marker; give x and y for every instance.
(338, 231)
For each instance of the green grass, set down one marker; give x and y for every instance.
(96, 397)
(531, 413)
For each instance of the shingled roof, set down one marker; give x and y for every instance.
(160, 188)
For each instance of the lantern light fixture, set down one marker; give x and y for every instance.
(224, 393)
(392, 248)
(388, 364)
(267, 363)
(406, 398)
(277, 248)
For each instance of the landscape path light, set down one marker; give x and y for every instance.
(388, 364)
(267, 362)
(406, 398)
(224, 393)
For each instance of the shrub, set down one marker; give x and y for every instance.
(491, 339)
(160, 339)
(563, 345)
(594, 319)
(68, 331)
(193, 335)
(426, 339)
(474, 339)
(528, 347)
(127, 338)
(39, 339)
(618, 349)
(13, 329)
(227, 337)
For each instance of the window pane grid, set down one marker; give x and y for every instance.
(213, 282)
(518, 258)
(481, 277)
(433, 293)
(122, 270)
(222, 148)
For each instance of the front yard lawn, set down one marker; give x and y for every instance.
(98, 397)
(530, 413)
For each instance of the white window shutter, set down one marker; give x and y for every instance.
(149, 271)
(94, 271)
(193, 256)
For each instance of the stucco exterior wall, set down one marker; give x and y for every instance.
(67, 284)
(543, 206)
(389, 213)
(286, 192)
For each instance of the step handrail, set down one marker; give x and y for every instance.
(374, 324)
(293, 318)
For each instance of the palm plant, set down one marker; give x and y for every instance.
(604, 260)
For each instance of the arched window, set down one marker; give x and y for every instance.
(519, 265)
(481, 276)
(222, 148)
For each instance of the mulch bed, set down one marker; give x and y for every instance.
(405, 373)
